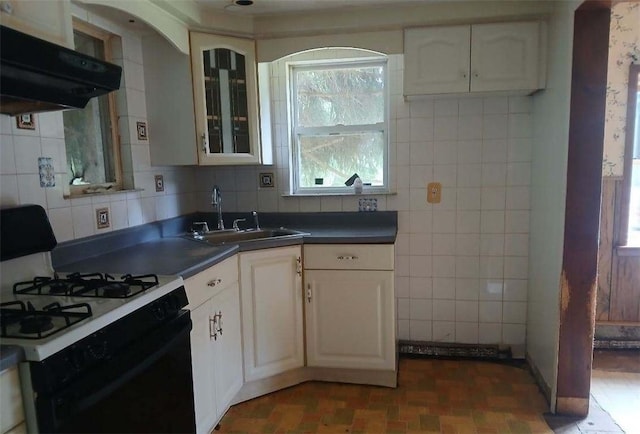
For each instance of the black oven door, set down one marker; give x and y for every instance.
(146, 388)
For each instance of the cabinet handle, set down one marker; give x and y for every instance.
(347, 258)
(309, 293)
(219, 330)
(212, 326)
(299, 265)
(204, 142)
(214, 282)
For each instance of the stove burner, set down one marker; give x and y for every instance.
(57, 287)
(116, 290)
(22, 320)
(88, 285)
(36, 324)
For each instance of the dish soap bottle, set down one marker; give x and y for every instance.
(357, 186)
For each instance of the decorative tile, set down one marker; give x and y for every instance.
(46, 172)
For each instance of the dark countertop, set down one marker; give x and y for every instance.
(10, 355)
(168, 256)
(162, 248)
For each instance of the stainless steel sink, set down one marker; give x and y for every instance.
(234, 237)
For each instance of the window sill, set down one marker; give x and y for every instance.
(628, 251)
(363, 194)
(101, 193)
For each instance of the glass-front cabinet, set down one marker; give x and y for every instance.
(226, 99)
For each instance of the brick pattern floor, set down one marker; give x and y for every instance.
(436, 396)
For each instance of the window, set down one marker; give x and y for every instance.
(631, 188)
(339, 119)
(91, 136)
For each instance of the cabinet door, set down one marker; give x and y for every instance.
(202, 367)
(226, 99)
(436, 60)
(350, 319)
(271, 293)
(227, 346)
(44, 19)
(505, 56)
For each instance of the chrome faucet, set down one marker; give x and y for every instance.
(216, 202)
(255, 219)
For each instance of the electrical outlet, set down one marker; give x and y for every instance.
(434, 192)
(102, 218)
(367, 205)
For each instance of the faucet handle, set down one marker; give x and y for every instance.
(235, 224)
(255, 219)
(204, 227)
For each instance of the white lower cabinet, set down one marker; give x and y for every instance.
(11, 411)
(216, 342)
(272, 324)
(350, 320)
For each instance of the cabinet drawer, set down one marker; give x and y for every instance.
(211, 281)
(349, 257)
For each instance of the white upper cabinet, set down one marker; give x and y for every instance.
(503, 57)
(225, 94)
(437, 60)
(44, 19)
(202, 108)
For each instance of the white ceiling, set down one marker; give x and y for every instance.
(279, 7)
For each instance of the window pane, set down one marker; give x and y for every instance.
(87, 131)
(334, 96)
(329, 160)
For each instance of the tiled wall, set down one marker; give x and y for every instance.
(461, 265)
(76, 218)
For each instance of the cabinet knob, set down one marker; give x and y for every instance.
(464, 74)
(476, 74)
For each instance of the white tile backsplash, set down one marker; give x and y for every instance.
(453, 280)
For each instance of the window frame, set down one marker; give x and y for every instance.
(633, 89)
(295, 130)
(84, 189)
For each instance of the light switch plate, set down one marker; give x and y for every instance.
(102, 218)
(434, 192)
(159, 183)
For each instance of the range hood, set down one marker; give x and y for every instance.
(37, 76)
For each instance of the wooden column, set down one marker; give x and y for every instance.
(584, 177)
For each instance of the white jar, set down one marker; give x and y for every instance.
(357, 186)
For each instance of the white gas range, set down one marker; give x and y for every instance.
(94, 343)
(44, 312)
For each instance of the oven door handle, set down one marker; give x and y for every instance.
(92, 388)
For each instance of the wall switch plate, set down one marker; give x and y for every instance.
(367, 205)
(434, 192)
(159, 183)
(102, 218)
